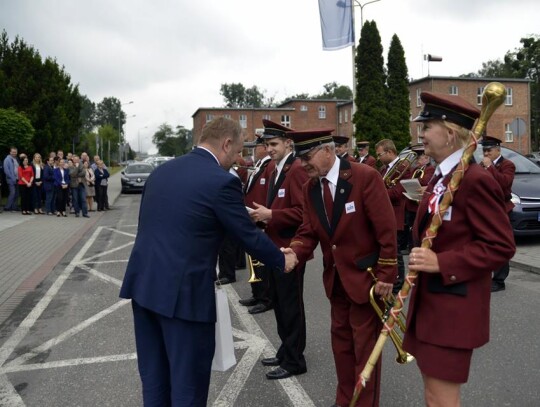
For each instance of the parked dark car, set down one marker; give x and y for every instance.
(525, 217)
(134, 176)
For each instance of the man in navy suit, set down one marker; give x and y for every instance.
(170, 275)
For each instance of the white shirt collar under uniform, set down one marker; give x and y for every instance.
(449, 162)
(281, 164)
(332, 177)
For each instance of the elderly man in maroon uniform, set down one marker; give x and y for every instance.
(347, 211)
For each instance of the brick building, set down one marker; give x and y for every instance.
(516, 105)
(302, 114)
(299, 114)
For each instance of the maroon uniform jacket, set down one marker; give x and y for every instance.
(369, 160)
(398, 199)
(451, 308)
(503, 172)
(348, 157)
(257, 185)
(410, 205)
(362, 228)
(285, 200)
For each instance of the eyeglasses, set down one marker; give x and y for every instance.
(310, 154)
(379, 155)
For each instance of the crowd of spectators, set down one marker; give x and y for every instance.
(58, 186)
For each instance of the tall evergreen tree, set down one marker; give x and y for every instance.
(398, 124)
(371, 114)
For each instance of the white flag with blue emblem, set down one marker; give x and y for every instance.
(336, 23)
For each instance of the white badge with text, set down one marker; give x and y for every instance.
(263, 181)
(349, 207)
(448, 214)
(281, 193)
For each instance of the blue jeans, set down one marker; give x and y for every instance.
(50, 200)
(11, 204)
(79, 199)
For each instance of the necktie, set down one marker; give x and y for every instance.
(272, 180)
(328, 200)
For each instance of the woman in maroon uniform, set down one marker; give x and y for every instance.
(449, 310)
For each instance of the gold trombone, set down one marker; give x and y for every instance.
(251, 266)
(402, 357)
(398, 170)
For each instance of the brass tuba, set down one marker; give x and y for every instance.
(251, 266)
(402, 357)
(398, 170)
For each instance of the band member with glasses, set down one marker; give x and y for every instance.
(347, 211)
(387, 154)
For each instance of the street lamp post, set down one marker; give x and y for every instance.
(120, 128)
(139, 137)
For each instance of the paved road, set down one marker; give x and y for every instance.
(70, 341)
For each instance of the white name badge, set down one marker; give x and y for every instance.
(448, 214)
(349, 207)
(263, 181)
(281, 193)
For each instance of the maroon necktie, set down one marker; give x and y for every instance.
(328, 200)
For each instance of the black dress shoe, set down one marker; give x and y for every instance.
(278, 373)
(497, 287)
(270, 362)
(257, 309)
(249, 302)
(225, 280)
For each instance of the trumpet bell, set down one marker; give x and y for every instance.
(402, 357)
(251, 266)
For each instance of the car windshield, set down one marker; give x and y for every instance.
(139, 169)
(523, 164)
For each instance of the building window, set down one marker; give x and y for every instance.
(303, 108)
(418, 133)
(479, 93)
(508, 135)
(346, 116)
(266, 117)
(509, 97)
(243, 121)
(453, 90)
(418, 100)
(227, 116)
(322, 112)
(340, 121)
(286, 120)
(209, 117)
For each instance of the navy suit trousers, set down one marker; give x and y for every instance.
(174, 358)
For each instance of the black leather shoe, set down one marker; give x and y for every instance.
(257, 309)
(249, 302)
(225, 280)
(278, 373)
(497, 287)
(270, 362)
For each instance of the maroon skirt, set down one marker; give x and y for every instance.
(449, 364)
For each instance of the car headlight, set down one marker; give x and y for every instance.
(515, 199)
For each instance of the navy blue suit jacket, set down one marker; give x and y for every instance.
(188, 205)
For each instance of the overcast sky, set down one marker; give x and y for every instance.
(170, 57)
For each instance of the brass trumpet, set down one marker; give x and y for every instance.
(398, 170)
(402, 357)
(251, 266)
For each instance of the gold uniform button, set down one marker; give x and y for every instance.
(334, 247)
(453, 278)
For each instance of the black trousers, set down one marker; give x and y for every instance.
(288, 299)
(227, 258)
